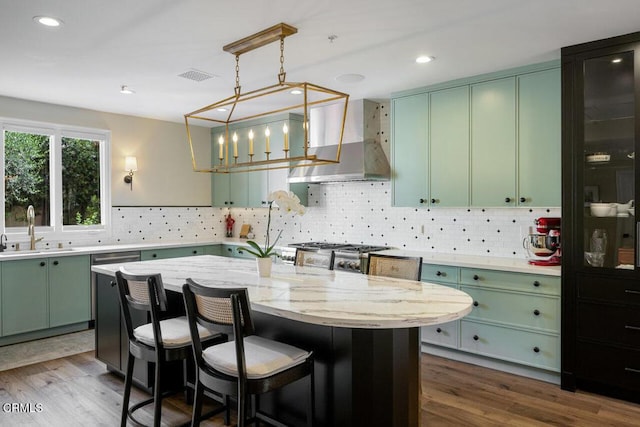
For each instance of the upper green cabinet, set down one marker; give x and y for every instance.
(250, 189)
(409, 152)
(493, 143)
(449, 147)
(489, 141)
(539, 138)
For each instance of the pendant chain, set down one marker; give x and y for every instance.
(282, 74)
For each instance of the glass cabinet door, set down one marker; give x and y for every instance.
(609, 161)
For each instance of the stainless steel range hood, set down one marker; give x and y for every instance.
(362, 157)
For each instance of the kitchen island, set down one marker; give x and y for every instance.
(363, 330)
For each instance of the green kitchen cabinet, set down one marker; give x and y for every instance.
(25, 296)
(409, 130)
(539, 138)
(493, 143)
(178, 252)
(228, 190)
(69, 290)
(213, 250)
(449, 147)
(486, 141)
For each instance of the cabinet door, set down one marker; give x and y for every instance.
(449, 147)
(25, 305)
(539, 134)
(493, 143)
(172, 252)
(258, 183)
(409, 152)
(69, 290)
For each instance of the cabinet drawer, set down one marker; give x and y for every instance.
(616, 290)
(528, 348)
(529, 311)
(609, 365)
(439, 273)
(513, 281)
(445, 334)
(614, 325)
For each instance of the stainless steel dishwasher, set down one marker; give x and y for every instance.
(108, 258)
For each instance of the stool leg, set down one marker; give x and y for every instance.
(197, 404)
(127, 390)
(312, 400)
(227, 411)
(157, 396)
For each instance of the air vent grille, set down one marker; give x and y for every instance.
(196, 75)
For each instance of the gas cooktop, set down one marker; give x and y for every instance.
(340, 247)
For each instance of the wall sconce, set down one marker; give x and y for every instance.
(131, 166)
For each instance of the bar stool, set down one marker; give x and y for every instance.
(161, 341)
(246, 367)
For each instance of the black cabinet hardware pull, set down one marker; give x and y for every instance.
(636, 371)
(55, 263)
(631, 291)
(476, 338)
(522, 199)
(439, 330)
(536, 349)
(231, 202)
(475, 303)
(507, 199)
(439, 273)
(633, 328)
(476, 277)
(154, 256)
(195, 252)
(423, 201)
(229, 249)
(434, 201)
(536, 312)
(226, 203)
(113, 283)
(42, 264)
(536, 283)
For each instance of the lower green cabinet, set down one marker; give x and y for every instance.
(174, 252)
(515, 316)
(45, 293)
(69, 290)
(25, 302)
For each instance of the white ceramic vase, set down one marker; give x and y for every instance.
(264, 266)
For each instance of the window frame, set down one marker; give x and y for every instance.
(57, 230)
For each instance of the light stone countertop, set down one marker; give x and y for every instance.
(312, 295)
(470, 261)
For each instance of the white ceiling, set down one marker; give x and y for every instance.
(145, 44)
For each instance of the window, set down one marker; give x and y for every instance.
(62, 172)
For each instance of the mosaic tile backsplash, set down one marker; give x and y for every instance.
(356, 212)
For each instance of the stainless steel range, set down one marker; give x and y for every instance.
(348, 256)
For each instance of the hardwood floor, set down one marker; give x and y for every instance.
(77, 391)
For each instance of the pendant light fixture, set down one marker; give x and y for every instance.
(267, 128)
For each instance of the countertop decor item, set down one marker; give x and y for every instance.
(290, 203)
(288, 149)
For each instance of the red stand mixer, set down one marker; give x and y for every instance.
(543, 246)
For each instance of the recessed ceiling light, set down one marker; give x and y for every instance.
(617, 60)
(350, 78)
(125, 89)
(424, 59)
(221, 109)
(48, 21)
(296, 92)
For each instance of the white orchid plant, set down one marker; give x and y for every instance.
(284, 200)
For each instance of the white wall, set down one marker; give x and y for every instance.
(165, 176)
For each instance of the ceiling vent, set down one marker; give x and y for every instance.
(196, 75)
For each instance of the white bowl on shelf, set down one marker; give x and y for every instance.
(603, 209)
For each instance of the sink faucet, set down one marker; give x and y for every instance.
(31, 220)
(3, 242)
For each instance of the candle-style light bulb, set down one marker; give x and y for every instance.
(235, 144)
(221, 143)
(267, 133)
(251, 142)
(285, 130)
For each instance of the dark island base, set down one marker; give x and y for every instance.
(364, 377)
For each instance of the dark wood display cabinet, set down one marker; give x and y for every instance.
(600, 266)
